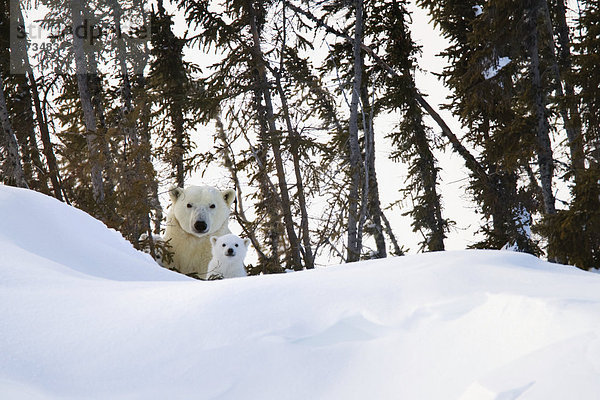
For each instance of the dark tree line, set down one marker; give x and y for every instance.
(292, 94)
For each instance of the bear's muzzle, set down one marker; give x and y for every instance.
(200, 226)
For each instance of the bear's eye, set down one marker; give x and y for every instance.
(236, 245)
(189, 205)
(223, 244)
(212, 206)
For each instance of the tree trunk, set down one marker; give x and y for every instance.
(374, 204)
(12, 165)
(565, 60)
(86, 104)
(428, 174)
(259, 64)
(107, 159)
(48, 150)
(21, 105)
(126, 97)
(24, 129)
(544, 147)
(294, 139)
(136, 179)
(229, 163)
(271, 202)
(146, 153)
(42, 124)
(179, 145)
(567, 106)
(354, 245)
(175, 93)
(144, 134)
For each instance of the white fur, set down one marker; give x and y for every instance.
(192, 248)
(228, 253)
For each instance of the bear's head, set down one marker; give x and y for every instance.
(201, 210)
(229, 247)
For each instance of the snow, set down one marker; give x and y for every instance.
(523, 221)
(84, 315)
(493, 70)
(478, 10)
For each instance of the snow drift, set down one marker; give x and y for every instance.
(84, 315)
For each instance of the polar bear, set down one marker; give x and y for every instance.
(228, 253)
(197, 213)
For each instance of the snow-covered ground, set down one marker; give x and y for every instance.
(85, 316)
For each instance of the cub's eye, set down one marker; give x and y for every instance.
(212, 206)
(223, 244)
(236, 245)
(189, 205)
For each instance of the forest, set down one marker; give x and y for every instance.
(102, 114)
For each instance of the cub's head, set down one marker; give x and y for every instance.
(229, 247)
(201, 210)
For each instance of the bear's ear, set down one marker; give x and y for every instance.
(213, 240)
(228, 196)
(247, 242)
(175, 193)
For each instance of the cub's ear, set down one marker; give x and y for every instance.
(175, 193)
(228, 196)
(247, 242)
(213, 240)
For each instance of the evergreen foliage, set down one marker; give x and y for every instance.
(491, 96)
(293, 93)
(412, 140)
(574, 233)
(173, 90)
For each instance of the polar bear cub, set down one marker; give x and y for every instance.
(228, 253)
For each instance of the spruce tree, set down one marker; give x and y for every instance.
(488, 94)
(172, 88)
(574, 233)
(136, 196)
(412, 140)
(354, 215)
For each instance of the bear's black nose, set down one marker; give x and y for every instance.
(230, 251)
(200, 226)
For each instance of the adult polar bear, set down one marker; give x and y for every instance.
(197, 213)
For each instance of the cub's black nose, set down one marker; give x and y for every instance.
(200, 226)
(230, 251)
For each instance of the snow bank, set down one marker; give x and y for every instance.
(38, 234)
(453, 325)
